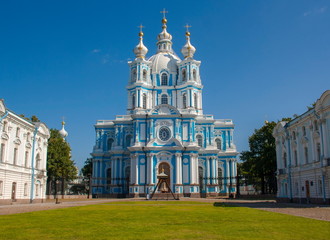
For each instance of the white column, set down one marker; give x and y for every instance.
(150, 168)
(192, 164)
(208, 172)
(178, 168)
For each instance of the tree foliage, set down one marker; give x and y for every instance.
(59, 163)
(259, 164)
(88, 167)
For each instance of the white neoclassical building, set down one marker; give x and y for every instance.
(303, 155)
(23, 155)
(164, 130)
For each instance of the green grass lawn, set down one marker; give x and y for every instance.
(160, 220)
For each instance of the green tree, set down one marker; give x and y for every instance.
(259, 164)
(88, 167)
(60, 167)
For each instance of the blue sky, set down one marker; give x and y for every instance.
(261, 60)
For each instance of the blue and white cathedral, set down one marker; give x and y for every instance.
(164, 130)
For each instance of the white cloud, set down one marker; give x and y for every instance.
(96, 50)
(316, 11)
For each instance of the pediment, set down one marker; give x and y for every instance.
(164, 109)
(155, 142)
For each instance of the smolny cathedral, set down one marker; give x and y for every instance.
(164, 131)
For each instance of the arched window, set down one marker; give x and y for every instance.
(316, 126)
(218, 142)
(220, 177)
(284, 160)
(295, 158)
(144, 75)
(199, 140)
(133, 100)
(194, 75)
(133, 75)
(15, 156)
(304, 130)
(164, 99)
(195, 100)
(164, 79)
(184, 100)
(184, 74)
(109, 176)
(144, 100)
(28, 137)
(128, 140)
(110, 142)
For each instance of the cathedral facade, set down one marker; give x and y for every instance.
(164, 130)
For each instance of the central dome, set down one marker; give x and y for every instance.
(164, 60)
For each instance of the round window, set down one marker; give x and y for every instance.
(164, 133)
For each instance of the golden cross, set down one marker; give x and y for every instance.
(141, 26)
(164, 12)
(187, 27)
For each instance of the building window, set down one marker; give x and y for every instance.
(38, 161)
(195, 100)
(184, 75)
(296, 188)
(109, 176)
(304, 130)
(1, 187)
(25, 189)
(133, 100)
(318, 151)
(320, 186)
(128, 140)
(37, 189)
(15, 156)
(144, 100)
(17, 132)
(284, 160)
(28, 137)
(218, 142)
(110, 142)
(199, 140)
(316, 126)
(306, 154)
(220, 177)
(164, 99)
(2, 152)
(133, 76)
(164, 79)
(26, 159)
(295, 158)
(294, 135)
(184, 100)
(144, 75)
(194, 75)
(4, 128)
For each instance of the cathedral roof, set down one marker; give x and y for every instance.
(164, 60)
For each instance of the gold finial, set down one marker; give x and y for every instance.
(141, 33)
(187, 27)
(63, 123)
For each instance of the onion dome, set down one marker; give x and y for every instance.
(164, 35)
(62, 132)
(164, 43)
(188, 50)
(140, 50)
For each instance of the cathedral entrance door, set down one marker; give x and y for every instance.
(167, 171)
